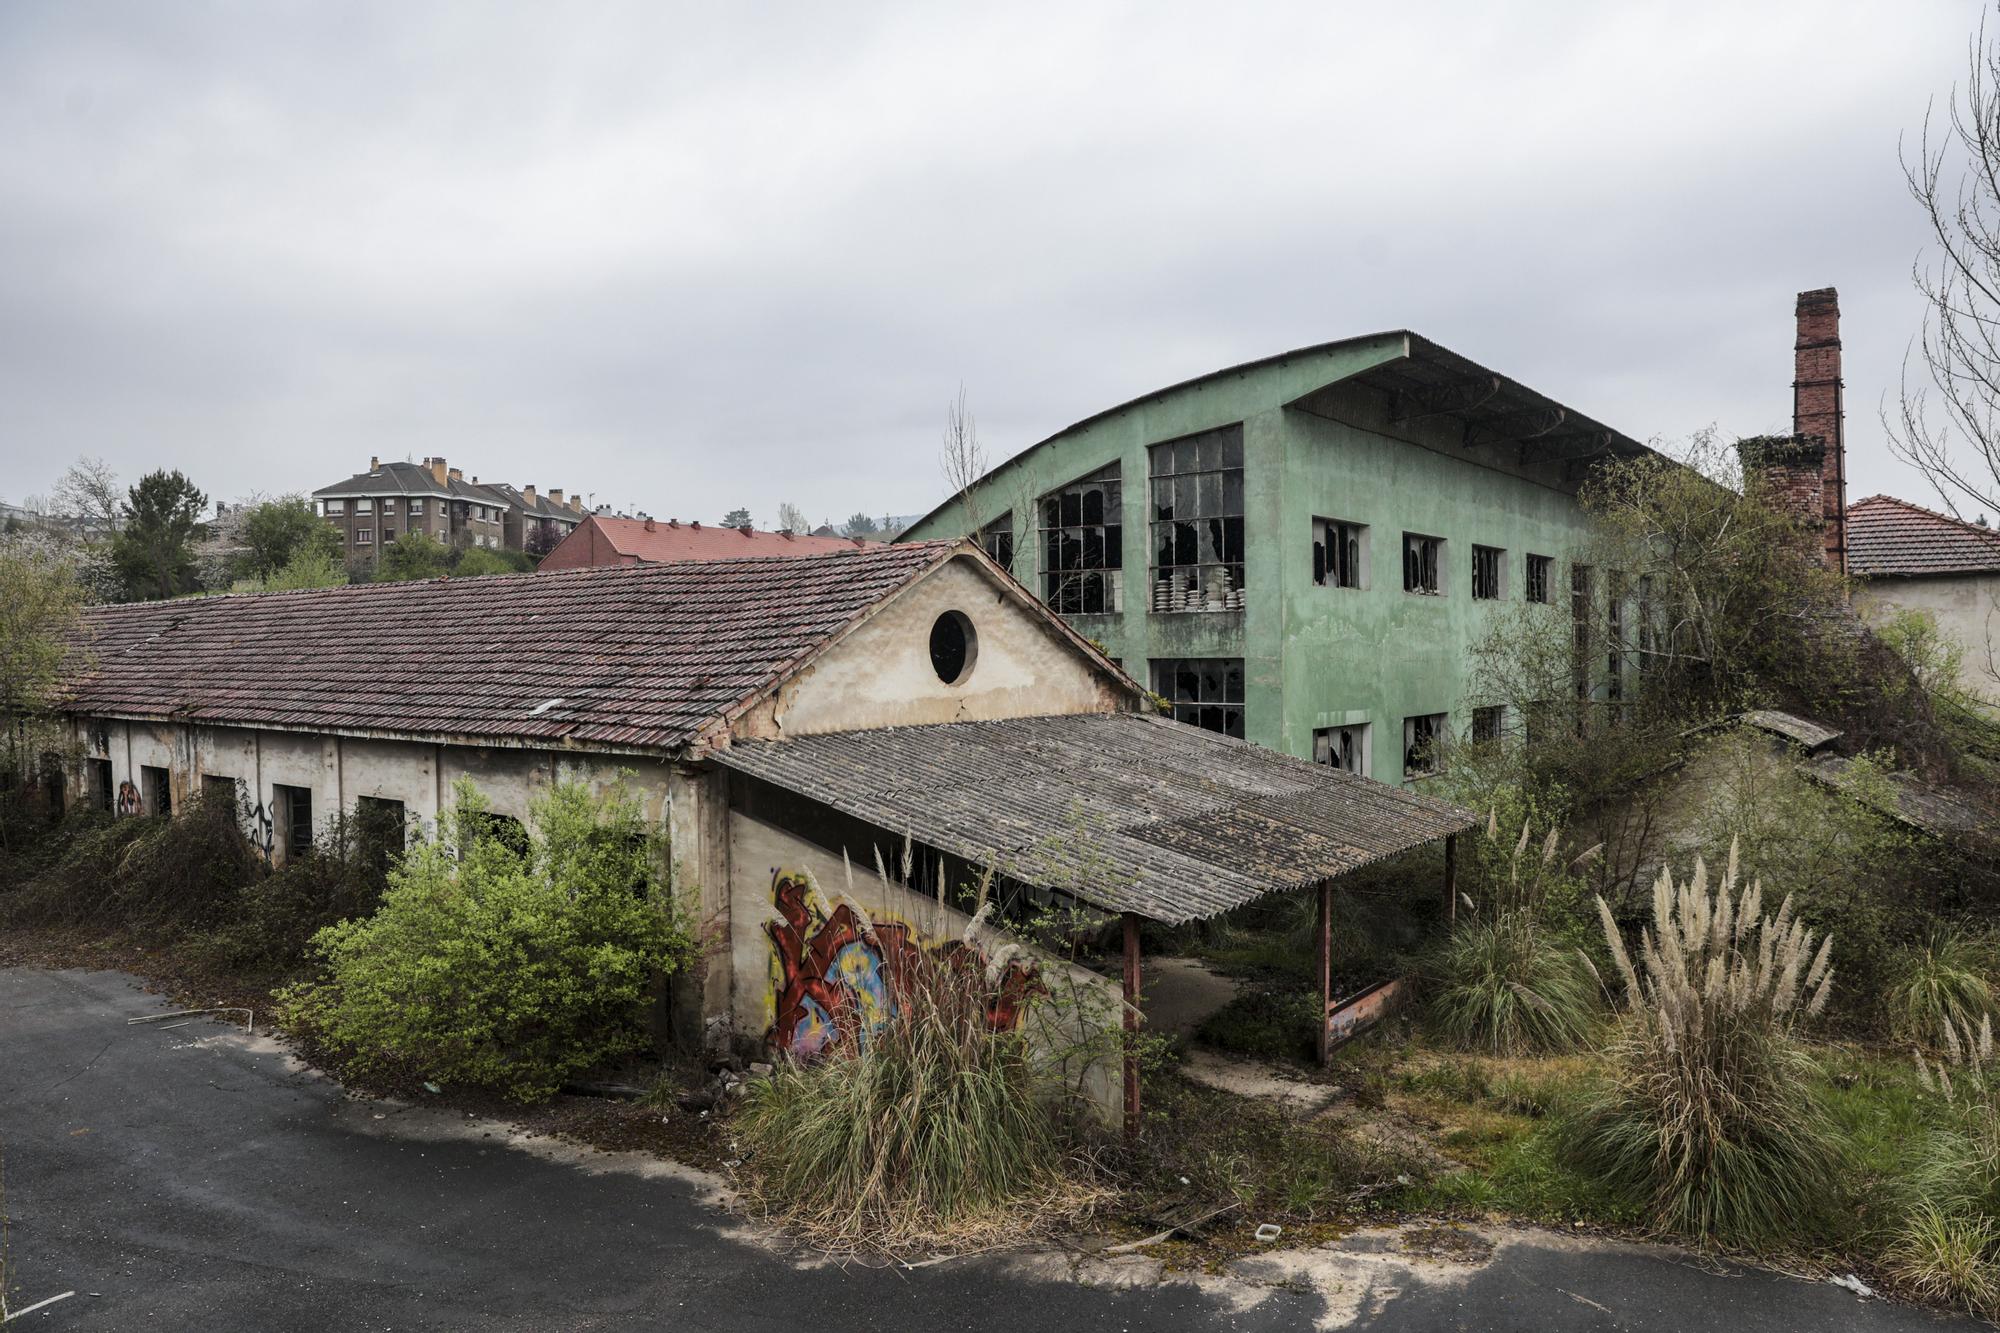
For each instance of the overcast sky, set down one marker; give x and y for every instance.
(688, 258)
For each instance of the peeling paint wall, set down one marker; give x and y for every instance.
(881, 675)
(1078, 1015)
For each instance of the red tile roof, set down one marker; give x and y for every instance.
(640, 656)
(1891, 538)
(601, 540)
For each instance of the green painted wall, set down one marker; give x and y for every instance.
(1313, 656)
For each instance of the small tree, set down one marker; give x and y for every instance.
(155, 548)
(963, 461)
(736, 518)
(276, 530)
(860, 526)
(793, 519)
(41, 607)
(414, 555)
(89, 492)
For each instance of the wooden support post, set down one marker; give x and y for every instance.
(1131, 1026)
(1451, 879)
(1325, 966)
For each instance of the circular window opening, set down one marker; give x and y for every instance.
(954, 645)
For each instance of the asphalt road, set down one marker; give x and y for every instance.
(190, 1178)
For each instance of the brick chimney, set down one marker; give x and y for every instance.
(1791, 469)
(1819, 411)
(556, 497)
(374, 463)
(453, 473)
(436, 465)
(528, 493)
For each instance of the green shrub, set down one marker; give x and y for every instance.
(1941, 984)
(937, 1122)
(1707, 1116)
(274, 917)
(1270, 1023)
(1501, 985)
(1947, 1255)
(489, 968)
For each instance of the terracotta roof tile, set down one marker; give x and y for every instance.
(630, 538)
(639, 656)
(1891, 538)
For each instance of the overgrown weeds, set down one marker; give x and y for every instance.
(1502, 985)
(1941, 985)
(1707, 1113)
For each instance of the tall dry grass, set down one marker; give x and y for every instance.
(1706, 1114)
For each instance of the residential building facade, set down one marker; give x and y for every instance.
(1302, 551)
(372, 509)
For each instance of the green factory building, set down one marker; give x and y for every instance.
(1301, 551)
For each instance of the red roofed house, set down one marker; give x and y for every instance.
(1908, 558)
(787, 720)
(603, 540)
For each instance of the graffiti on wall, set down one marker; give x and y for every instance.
(262, 830)
(839, 972)
(128, 799)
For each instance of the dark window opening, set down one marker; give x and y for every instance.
(54, 790)
(97, 784)
(218, 790)
(1203, 692)
(1487, 573)
(156, 789)
(1083, 546)
(997, 539)
(1614, 634)
(1422, 563)
(506, 830)
(1340, 553)
(1538, 578)
(292, 815)
(954, 647)
(1423, 743)
(1487, 724)
(1344, 748)
(1197, 491)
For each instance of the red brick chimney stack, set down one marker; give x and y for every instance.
(1819, 411)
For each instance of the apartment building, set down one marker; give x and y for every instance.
(372, 509)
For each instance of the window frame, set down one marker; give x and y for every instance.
(364, 536)
(1488, 724)
(1330, 534)
(1489, 573)
(1326, 747)
(996, 538)
(1537, 574)
(1199, 710)
(1083, 588)
(1195, 514)
(1434, 728)
(1417, 561)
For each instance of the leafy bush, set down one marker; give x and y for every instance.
(1502, 985)
(1941, 985)
(935, 1123)
(1277, 1024)
(487, 967)
(273, 919)
(1707, 1114)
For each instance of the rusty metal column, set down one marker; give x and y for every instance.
(1325, 966)
(1451, 879)
(1131, 1026)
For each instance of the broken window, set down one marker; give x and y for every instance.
(156, 789)
(1423, 564)
(1345, 748)
(1579, 615)
(1539, 567)
(506, 830)
(97, 784)
(1340, 553)
(1423, 744)
(1488, 723)
(1198, 522)
(1488, 570)
(1083, 546)
(997, 540)
(1204, 692)
(292, 819)
(1614, 635)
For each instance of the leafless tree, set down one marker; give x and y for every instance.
(90, 491)
(964, 461)
(793, 519)
(1947, 421)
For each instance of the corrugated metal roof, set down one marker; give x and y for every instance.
(638, 657)
(1126, 811)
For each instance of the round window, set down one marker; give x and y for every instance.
(954, 645)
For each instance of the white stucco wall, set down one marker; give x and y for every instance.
(1965, 606)
(881, 675)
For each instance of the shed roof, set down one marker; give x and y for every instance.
(642, 657)
(1891, 538)
(665, 539)
(1126, 811)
